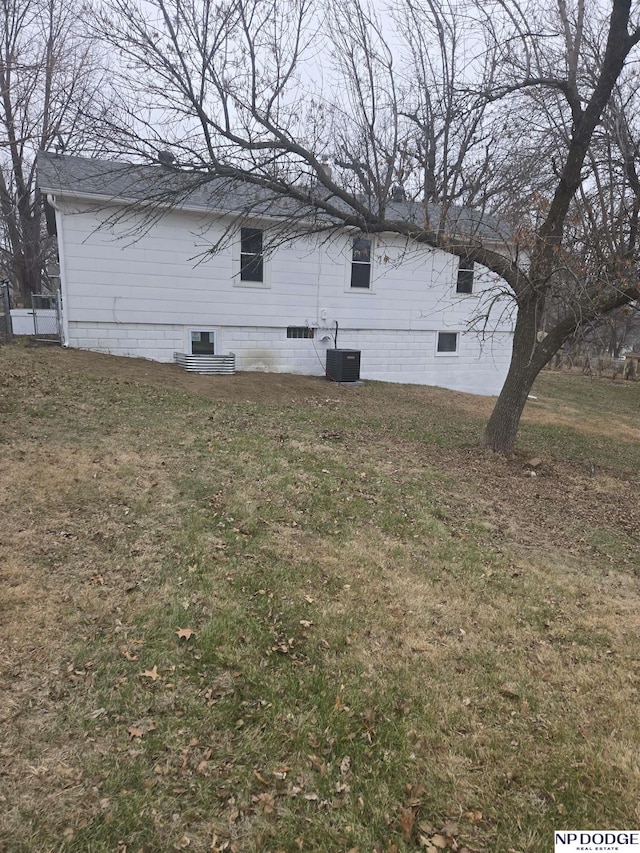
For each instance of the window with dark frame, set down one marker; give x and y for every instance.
(447, 342)
(251, 255)
(361, 263)
(300, 332)
(202, 343)
(464, 283)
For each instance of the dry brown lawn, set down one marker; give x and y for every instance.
(363, 583)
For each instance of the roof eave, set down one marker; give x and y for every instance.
(142, 205)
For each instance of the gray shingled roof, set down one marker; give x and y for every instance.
(109, 180)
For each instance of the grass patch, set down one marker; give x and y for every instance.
(272, 614)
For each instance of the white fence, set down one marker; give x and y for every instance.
(23, 321)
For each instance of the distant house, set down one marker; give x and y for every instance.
(139, 278)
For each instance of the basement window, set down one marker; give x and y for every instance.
(202, 343)
(464, 282)
(251, 255)
(447, 342)
(300, 332)
(361, 263)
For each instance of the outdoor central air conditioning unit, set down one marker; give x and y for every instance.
(343, 365)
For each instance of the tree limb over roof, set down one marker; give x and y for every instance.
(248, 196)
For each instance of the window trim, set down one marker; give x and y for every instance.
(462, 274)
(440, 353)
(350, 287)
(200, 329)
(237, 254)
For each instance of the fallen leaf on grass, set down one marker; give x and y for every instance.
(185, 633)
(141, 728)
(510, 690)
(127, 654)
(94, 715)
(318, 764)
(150, 673)
(415, 792)
(407, 819)
(473, 817)
(266, 803)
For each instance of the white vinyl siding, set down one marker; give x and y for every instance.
(144, 297)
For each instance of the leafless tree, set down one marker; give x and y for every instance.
(53, 94)
(504, 107)
(618, 332)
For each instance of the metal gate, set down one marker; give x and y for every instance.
(47, 323)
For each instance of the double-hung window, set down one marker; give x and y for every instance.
(361, 263)
(464, 282)
(251, 255)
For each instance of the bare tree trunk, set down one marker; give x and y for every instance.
(527, 361)
(32, 253)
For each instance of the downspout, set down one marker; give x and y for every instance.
(51, 199)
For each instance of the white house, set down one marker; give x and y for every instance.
(145, 283)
